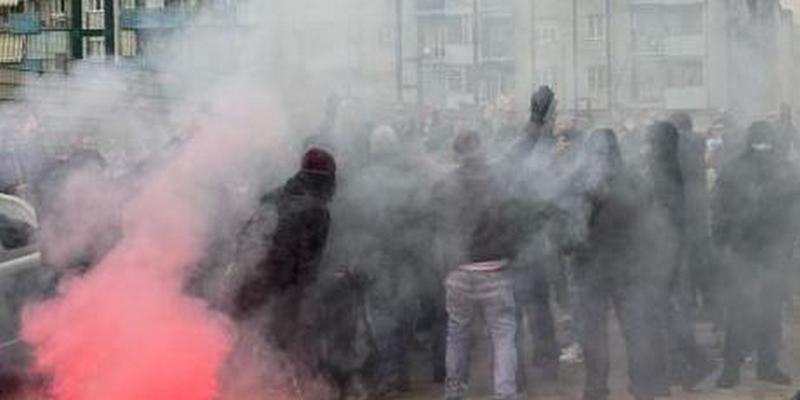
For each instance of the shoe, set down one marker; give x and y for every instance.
(572, 354)
(730, 378)
(774, 375)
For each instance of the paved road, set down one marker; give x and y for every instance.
(569, 386)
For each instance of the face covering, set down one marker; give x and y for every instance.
(762, 147)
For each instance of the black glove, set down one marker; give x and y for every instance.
(543, 104)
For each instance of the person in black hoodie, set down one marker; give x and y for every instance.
(754, 208)
(536, 154)
(681, 358)
(697, 240)
(289, 269)
(478, 237)
(541, 124)
(608, 271)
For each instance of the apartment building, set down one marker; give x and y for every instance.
(615, 57)
(465, 51)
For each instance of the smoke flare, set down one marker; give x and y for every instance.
(126, 330)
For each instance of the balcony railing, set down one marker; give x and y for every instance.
(650, 46)
(153, 18)
(24, 23)
(95, 19)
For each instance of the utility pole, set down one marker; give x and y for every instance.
(420, 63)
(635, 48)
(609, 63)
(109, 30)
(398, 49)
(575, 82)
(76, 31)
(476, 52)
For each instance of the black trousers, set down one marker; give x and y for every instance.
(534, 301)
(600, 288)
(754, 303)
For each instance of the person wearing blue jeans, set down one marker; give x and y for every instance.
(478, 232)
(491, 293)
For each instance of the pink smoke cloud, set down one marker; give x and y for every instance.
(126, 330)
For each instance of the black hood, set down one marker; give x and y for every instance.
(761, 132)
(663, 139)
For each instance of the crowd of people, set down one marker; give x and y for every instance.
(404, 240)
(359, 267)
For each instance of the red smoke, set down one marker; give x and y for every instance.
(126, 331)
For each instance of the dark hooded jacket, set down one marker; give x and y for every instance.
(665, 175)
(755, 198)
(613, 198)
(298, 241)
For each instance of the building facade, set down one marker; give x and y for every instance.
(612, 58)
(464, 52)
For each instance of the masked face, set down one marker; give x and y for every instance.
(563, 145)
(762, 147)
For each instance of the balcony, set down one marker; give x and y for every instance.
(153, 18)
(24, 23)
(650, 46)
(685, 46)
(687, 98)
(430, 5)
(459, 54)
(95, 19)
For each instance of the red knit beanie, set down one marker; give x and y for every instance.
(319, 161)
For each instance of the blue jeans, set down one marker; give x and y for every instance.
(492, 294)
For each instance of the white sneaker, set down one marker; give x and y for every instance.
(573, 354)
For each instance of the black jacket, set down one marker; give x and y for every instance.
(754, 203)
(298, 241)
(614, 201)
(476, 219)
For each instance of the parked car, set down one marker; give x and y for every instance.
(22, 278)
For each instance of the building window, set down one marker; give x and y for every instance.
(684, 19)
(547, 34)
(386, 36)
(457, 30)
(96, 5)
(597, 78)
(454, 79)
(685, 73)
(495, 43)
(95, 47)
(430, 5)
(596, 27)
(546, 77)
(650, 81)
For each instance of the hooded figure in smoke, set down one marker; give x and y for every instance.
(542, 122)
(609, 272)
(535, 173)
(755, 205)
(380, 235)
(697, 238)
(681, 358)
(283, 277)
